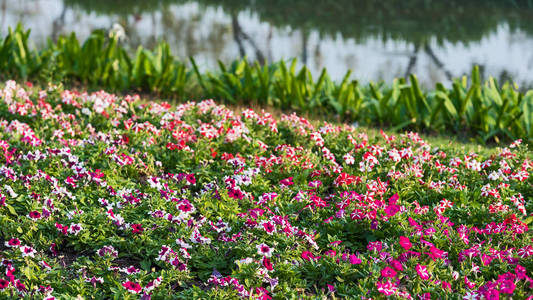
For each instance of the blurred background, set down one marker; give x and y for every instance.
(378, 40)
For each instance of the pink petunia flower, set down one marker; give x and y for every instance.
(436, 253)
(265, 250)
(388, 272)
(153, 284)
(422, 271)
(107, 250)
(14, 242)
(27, 251)
(131, 270)
(374, 246)
(75, 229)
(507, 287)
(405, 243)
(307, 255)
(269, 227)
(396, 264)
(354, 260)
(132, 287)
(21, 287)
(392, 210)
(387, 288)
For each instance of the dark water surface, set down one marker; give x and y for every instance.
(378, 40)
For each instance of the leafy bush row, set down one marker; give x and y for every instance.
(485, 109)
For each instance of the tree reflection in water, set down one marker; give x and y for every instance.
(375, 38)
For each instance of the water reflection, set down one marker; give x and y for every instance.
(437, 40)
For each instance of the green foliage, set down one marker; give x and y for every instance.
(99, 61)
(487, 110)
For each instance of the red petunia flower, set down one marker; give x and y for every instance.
(34, 215)
(137, 228)
(3, 284)
(132, 287)
(267, 264)
(14, 242)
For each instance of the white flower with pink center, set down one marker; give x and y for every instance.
(265, 250)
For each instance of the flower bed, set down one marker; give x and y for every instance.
(111, 197)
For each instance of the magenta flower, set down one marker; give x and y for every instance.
(335, 243)
(520, 271)
(287, 181)
(374, 224)
(525, 251)
(107, 250)
(492, 294)
(425, 296)
(507, 287)
(469, 284)
(392, 209)
(269, 227)
(132, 287)
(387, 288)
(131, 270)
(75, 229)
(422, 271)
(405, 243)
(388, 272)
(315, 183)
(374, 246)
(354, 260)
(396, 264)
(436, 253)
(307, 255)
(152, 284)
(21, 287)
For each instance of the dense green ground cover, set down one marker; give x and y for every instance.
(490, 111)
(112, 197)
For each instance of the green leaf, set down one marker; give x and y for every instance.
(146, 264)
(11, 210)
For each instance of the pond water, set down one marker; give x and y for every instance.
(377, 40)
